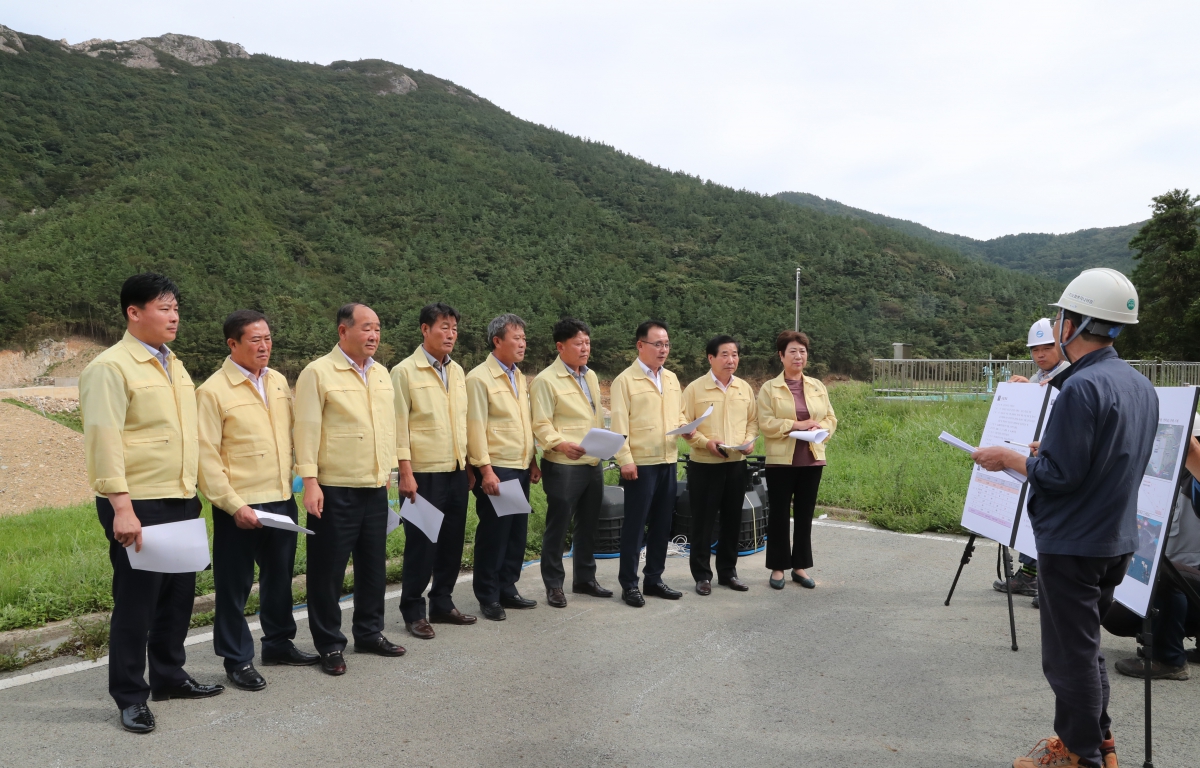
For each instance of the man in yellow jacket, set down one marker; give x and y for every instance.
(647, 403)
(566, 406)
(716, 470)
(431, 445)
(500, 448)
(345, 450)
(139, 432)
(245, 430)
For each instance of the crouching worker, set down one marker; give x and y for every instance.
(1083, 509)
(245, 431)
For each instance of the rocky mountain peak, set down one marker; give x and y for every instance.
(10, 42)
(142, 53)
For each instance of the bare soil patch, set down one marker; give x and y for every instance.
(41, 463)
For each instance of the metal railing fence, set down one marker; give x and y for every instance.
(968, 379)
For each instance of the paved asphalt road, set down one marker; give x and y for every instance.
(868, 669)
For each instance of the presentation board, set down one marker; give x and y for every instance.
(1157, 494)
(1023, 539)
(994, 498)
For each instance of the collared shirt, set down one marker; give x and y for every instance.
(724, 387)
(360, 371)
(1039, 375)
(259, 381)
(510, 372)
(655, 376)
(581, 380)
(161, 354)
(439, 366)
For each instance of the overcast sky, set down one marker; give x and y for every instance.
(977, 118)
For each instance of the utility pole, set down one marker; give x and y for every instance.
(797, 299)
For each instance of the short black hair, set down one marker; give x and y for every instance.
(146, 287)
(1076, 319)
(345, 314)
(235, 324)
(431, 313)
(568, 328)
(713, 347)
(643, 330)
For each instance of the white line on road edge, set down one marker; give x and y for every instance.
(82, 666)
(865, 529)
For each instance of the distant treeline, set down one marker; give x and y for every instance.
(292, 188)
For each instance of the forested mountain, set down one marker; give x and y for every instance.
(1059, 257)
(293, 187)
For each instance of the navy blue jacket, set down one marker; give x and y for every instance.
(1092, 458)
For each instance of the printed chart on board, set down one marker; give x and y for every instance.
(1023, 542)
(1156, 497)
(993, 498)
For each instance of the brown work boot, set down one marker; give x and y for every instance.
(1051, 753)
(1108, 750)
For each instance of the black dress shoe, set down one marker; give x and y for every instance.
(293, 657)
(734, 583)
(633, 597)
(555, 598)
(493, 611)
(517, 602)
(380, 646)
(246, 677)
(420, 629)
(453, 617)
(137, 718)
(662, 590)
(704, 587)
(592, 588)
(188, 689)
(333, 663)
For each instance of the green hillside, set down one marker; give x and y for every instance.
(294, 187)
(1059, 257)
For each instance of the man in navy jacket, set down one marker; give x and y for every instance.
(1084, 479)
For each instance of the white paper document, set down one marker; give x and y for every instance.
(172, 548)
(741, 447)
(423, 515)
(693, 425)
(511, 500)
(282, 522)
(810, 436)
(950, 439)
(601, 443)
(393, 520)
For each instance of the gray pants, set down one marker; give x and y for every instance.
(573, 496)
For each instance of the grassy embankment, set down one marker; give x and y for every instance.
(884, 461)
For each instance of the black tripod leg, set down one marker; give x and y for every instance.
(1146, 651)
(966, 558)
(1012, 619)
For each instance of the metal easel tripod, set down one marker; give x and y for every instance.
(1003, 555)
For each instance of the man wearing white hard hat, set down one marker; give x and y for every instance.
(1050, 363)
(1084, 479)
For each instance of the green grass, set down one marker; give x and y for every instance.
(70, 419)
(884, 460)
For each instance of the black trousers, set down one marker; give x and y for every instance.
(235, 552)
(425, 560)
(787, 486)
(151, 611)
(1177, 618)
(717, 492)
(354, 522)
(1075, 593)
(499, 542)
(574, 494)
(649, 505)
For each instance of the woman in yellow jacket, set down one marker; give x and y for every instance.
(788, 403)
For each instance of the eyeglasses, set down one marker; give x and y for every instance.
(658, 344)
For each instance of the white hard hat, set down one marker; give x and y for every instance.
(1042, 332)
(1104, 294)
